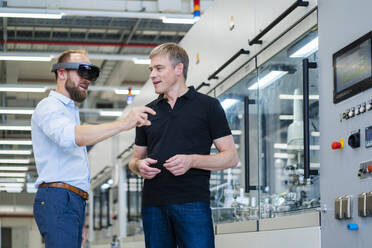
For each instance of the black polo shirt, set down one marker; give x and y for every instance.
(189, 128)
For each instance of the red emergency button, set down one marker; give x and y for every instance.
(336, 145)
(369, 168)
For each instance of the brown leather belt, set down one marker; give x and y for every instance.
(77, 191)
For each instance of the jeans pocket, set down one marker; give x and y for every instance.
(40, 209)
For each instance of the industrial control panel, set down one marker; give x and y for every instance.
(346, 144)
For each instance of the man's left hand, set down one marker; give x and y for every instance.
(178, 164)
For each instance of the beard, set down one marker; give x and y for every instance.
(76, 94)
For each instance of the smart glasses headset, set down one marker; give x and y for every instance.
(87, 71)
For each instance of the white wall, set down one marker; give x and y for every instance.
(212, 39)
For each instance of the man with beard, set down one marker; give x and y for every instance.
(59, 145)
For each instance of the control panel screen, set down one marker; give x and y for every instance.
(369, 136)
(353, 68)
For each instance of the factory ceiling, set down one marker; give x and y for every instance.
(118, 36)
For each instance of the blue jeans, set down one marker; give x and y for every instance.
(59, 214)
(186, 225)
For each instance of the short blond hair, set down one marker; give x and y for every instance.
(176, 55)
(65, 56)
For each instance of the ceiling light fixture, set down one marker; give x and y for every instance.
(297, 97)
(179, 20)
(12, 180)
(22, 88)
(141, 61)
(13, 168)
(268, 79)
(286, 117)
(15, 128)
(16, 111)
(17, 185)
(30, 13)
(236, 132)
(16, 152)
(125, 92)
(12, 174)
(110, 113)
(15, 161)
(25, 57)
(15, 142)
(227, 103)
(306, 50)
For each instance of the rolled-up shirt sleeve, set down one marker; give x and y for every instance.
(56, 124)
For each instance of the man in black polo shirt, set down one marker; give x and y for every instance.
(173, 155)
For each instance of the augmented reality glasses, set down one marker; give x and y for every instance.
(87, 71)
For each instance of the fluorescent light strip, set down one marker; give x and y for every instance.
(16, 111)
(179, 20)
(315, 166)
(15, 142)
(315, 134)
(110, 113)
(22, 89)
(12, 174)
(284, 155)
(297, 97)
(306, 50)
(141, 61)
(31, 15)
(16, 152)
(13, 168)
(285, 117)
(12, 180)
(294, 147)
(16, 128)
(125, 92)
(26, 58)
(12, 190)
(227, 103)
(17, 185)
(268, 79)
(15, 161)
(236, 132)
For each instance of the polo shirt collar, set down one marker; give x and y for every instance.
(190, 94)
(64, 99)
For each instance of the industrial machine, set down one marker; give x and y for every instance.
(346, 181)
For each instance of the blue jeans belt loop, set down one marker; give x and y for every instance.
(73, 189)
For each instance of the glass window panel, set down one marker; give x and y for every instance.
(229, 201)
(280, 86)
(270, 101)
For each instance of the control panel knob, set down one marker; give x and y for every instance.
(369, 105)
(357, 110)
(363, 108)
(354, 140)
(336, 145)
(351, 112)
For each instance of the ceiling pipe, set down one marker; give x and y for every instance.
(48, 56)
(115, 14)
(72, 43)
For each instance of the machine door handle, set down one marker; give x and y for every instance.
(306, 66)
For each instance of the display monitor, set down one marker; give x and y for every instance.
(352, 68)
